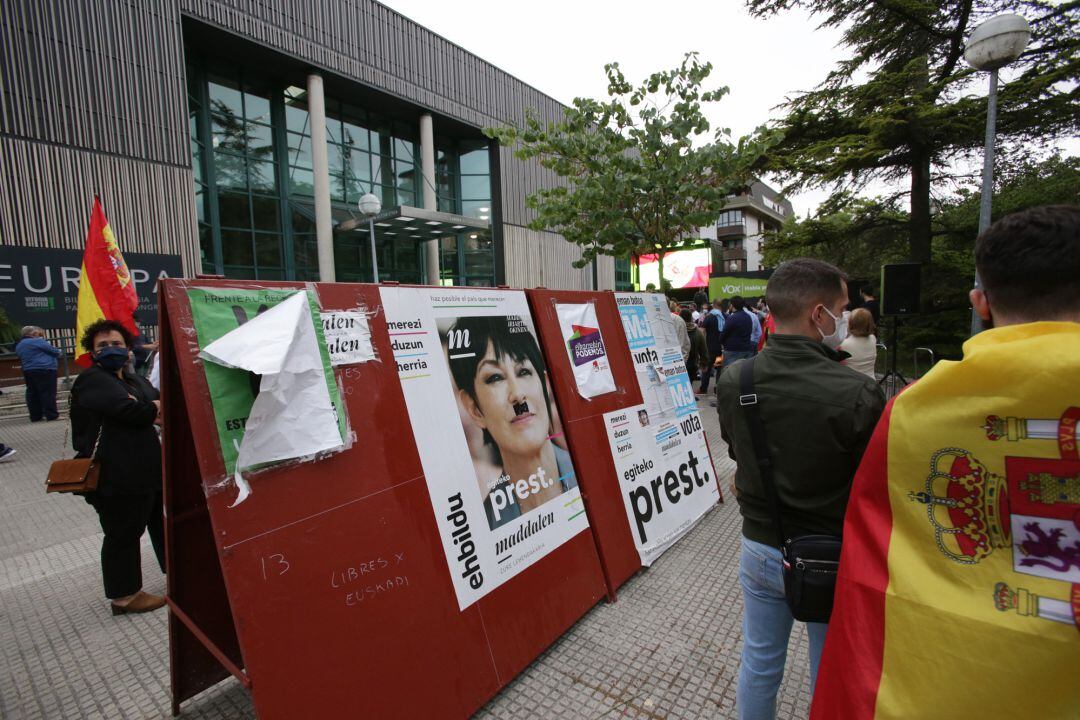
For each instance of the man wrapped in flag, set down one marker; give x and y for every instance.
(106, 288)
(959, 586)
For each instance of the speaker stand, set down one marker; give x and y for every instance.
(893, 381)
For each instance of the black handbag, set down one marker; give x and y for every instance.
(810, 561)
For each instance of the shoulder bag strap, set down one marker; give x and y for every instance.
(748, 400)
(101, 429)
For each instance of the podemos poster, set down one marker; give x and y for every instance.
(585, 348)
(661, 457)
(498, 471)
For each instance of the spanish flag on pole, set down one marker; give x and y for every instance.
(106, 290)
(959, 586)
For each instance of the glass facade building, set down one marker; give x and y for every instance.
(254, 186)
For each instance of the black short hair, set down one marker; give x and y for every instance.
(725, 304)
(800, 284)
(104, 326)
(737, 302)
(686, 315)
(1029, 262)
(476, 333)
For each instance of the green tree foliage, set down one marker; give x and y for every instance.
(859, 235)
(9, 332)
(856, 234)
(905, 106)
(641, 171)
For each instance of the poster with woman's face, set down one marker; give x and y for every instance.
(504, 403)
(487, 429)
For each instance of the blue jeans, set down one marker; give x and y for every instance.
(766, 627)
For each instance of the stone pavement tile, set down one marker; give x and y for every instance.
(669, 648)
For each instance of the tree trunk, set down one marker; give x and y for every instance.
(660, 267)
(919, 229)
(919, 249)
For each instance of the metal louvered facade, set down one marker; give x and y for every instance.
(93, 99)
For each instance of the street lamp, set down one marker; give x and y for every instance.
(993, 44)
(370, 205)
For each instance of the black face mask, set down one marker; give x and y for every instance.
(112, 358)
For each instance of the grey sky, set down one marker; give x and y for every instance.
(560, 47)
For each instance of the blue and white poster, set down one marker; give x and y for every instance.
(665, 471)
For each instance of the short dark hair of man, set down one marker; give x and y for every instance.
(867, 291)
(686, 315)
(1029, 262)
(717, 304)
(725, 304)
(738, 303)
(796, 286)
(102, 327)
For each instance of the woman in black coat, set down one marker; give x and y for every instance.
(108, 398)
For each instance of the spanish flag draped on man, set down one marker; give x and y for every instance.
(959, 586)
(106, 289)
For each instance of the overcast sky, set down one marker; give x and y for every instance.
(560, 47)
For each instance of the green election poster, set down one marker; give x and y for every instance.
(725, 287)
(218, 311)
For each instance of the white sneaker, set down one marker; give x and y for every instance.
(7, 454)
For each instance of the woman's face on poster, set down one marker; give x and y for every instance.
(510, 403)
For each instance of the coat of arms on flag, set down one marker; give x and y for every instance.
(106, 290)
(1032, 511)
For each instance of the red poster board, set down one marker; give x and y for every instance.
(327, 592)
(583, 424)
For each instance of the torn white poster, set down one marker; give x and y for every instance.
(292, 416)
(348, 338)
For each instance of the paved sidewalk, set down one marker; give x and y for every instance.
(668, 648)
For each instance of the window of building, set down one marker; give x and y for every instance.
(773, 205)
(624, 279)
(730, 218)
(364, 154)
(463, 187)
(241, 166)
(251, 156)
(197, 132)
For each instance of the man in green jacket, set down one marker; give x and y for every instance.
(818, 417)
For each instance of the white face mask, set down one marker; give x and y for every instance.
(837, 336)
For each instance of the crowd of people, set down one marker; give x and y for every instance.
(726, 330)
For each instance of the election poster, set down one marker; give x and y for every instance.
(662, 460)
(491, 444)
(585, 348)
(348, 337)
(216, 312)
